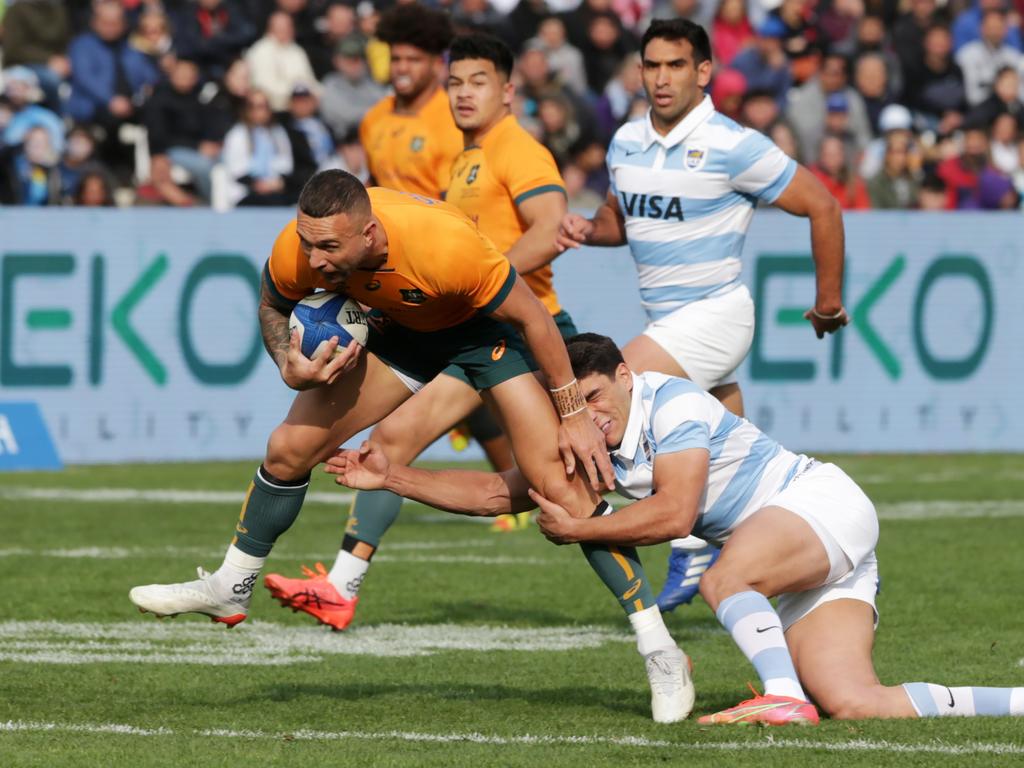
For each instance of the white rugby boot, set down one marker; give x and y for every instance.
(672, 691)
(197, 596)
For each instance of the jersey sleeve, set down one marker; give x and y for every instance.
(287, 274)
(757, 167)
(471, 267)
(528, 171)
(680, 419)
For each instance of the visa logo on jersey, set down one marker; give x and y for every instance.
(652, 206)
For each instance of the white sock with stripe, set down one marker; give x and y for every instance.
(757, 630)
(930, 700)
(651, 632)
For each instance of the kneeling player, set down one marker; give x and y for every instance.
(792, 528)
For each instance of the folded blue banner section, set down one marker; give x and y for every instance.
(25, 442)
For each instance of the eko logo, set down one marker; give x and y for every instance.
(770, 268)
(148, 353)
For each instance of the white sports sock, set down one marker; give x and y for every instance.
(347, 574)
(690, 543)
(651, 632)
(237, 575)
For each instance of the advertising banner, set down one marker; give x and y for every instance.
(136, 335)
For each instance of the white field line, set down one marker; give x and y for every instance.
(768, 742)
(147, 641)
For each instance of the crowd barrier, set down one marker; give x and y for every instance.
(134, 334)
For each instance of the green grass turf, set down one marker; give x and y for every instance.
(951, 613)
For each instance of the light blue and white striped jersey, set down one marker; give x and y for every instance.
(688, 198)
(669, 414)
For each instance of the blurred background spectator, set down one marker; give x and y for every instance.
(258, 155)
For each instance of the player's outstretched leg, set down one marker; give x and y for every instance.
(535, 444)
(687, 562)
(319, 420)
(331, 596)
(832, 646)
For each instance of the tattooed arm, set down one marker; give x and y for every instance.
(274, 326)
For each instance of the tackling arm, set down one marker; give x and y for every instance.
(679, 480)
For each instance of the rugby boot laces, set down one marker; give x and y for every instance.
(314, 594)
(672, 692)
(197, 596)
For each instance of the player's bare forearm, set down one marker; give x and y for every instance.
(609, 225)
(464, 492)
(274, 328)
(649, 521)
(536, 246)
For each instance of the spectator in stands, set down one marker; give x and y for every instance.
(871, 79)
(213, 33)
(996, 191)
(835, 170)
(730, 32)
(350, 156)
(932, 196)
(36, 35)
(228, 100)
(95, 189)
(78, 159)
(896, 185)
(764, 63)
(839, 22)
(807, 113)
(109, 79)
(349, 91)
(604, 48)
(277, 64)
(698, 11)
(469, 15)
(909, 31)
(967, 27)
(258, 156)
(894, 119)
(980, 59)
(299, 11)
(1005, 132)
(564, 59)
(759, 111)
(152, 38)
(181, 134)
(802, 41)
(1018, 175)
(962, 172)
(612, 108)
(21, 91)
(934, 85)
(537, 83)
(784, 136)
(1005, 98)
(581, 197)
(559, 127)
(339, 23)
(32, 171)
(727, 91)
(307, 123)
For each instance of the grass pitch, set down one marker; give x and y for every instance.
(469, 648)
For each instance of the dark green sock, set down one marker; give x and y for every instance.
(270, 508)
(621, 571)
(372, 513)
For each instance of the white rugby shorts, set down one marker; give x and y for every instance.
(845, 521)
(708, 338)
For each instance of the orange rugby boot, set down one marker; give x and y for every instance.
(767, 709)
(313, 594)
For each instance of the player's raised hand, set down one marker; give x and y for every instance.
(827, 321)
(573, 232)
(554, 521)
(578, 436)
(365, 469)
(299, 372)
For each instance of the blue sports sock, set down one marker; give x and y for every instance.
(932, 700)
(757, 630)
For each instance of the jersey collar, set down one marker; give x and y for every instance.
(634, 426)
(686, 126)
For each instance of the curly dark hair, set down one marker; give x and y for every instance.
(418, 26)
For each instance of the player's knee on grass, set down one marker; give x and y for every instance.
(288, 457)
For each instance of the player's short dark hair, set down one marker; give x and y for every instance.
(679, 29)
(418, 26)
(329, 193)
(593, 353)
(483, 45)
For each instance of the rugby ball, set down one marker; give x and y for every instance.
(323, 315)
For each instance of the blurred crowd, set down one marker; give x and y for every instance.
(894, 104)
